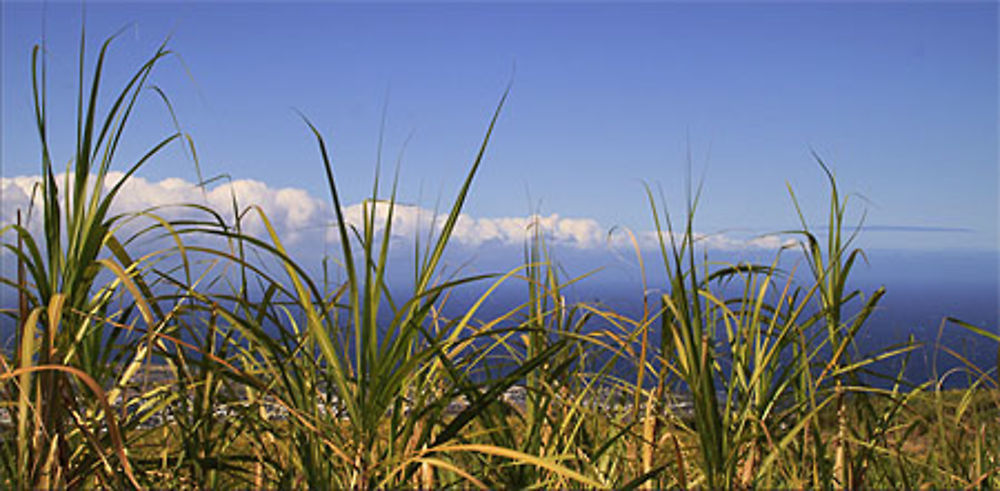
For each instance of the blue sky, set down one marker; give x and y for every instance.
(899, 99)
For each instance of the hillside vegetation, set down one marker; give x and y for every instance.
(194, 365)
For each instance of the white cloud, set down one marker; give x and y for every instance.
(301, 219)
(291, 211)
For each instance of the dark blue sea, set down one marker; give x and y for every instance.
(922, 290)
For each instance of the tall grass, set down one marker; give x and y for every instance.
(67, 369)
(742, 374)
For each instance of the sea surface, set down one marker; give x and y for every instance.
(923, 289)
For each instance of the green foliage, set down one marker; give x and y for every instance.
(268, 377)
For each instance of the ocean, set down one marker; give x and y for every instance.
(922, 290)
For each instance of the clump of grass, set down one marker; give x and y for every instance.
(277, 378)
(66, 369)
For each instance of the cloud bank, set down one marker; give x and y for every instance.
(302, 220)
